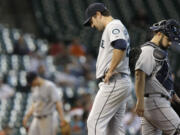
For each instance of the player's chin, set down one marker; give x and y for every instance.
(99, 28)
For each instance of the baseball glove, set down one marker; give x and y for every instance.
(133, 57)
(66, 129)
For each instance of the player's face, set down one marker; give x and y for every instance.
(35, 83)
(96, 22)
(165, 41)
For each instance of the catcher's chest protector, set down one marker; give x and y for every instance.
(135, 52)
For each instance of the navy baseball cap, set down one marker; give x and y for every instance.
(91, 11)
(30, 77)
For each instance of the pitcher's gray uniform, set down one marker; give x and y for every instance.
(158, 114)
(44, 99)
(110, 101)
(113, 31)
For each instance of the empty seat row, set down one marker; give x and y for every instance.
(9, 41)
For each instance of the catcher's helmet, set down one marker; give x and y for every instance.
(171, 28)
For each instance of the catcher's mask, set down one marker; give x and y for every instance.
(171, 28)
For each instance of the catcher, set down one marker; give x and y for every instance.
(154, 83)
(45, 101)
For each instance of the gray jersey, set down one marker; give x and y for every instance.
(44, 98)
(113, 31)
(158, 114)
(151, 66)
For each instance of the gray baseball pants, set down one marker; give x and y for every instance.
(109, 107)
(159, 117)
(43, 126)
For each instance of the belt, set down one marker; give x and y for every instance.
(100, 79)
(42, 116)
(157, 95)
(122, 75)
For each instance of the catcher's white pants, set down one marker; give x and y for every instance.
(109, 107)
(159, 117)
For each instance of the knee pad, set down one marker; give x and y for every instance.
(177, 130)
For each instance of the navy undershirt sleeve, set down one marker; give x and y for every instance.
(119, 44)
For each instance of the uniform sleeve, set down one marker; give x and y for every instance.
(146, 62)
(116, 32)
(54, 93)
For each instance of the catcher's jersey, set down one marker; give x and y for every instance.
(44, 98)
(159, 79)
(113, 31)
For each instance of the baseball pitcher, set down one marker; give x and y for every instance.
(112, 72)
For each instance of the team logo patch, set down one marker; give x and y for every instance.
(116, 31)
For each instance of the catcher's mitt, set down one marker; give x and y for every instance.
(133, 57)
(66, 129)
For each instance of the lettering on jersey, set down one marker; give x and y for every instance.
(115, 31)
(102, 43)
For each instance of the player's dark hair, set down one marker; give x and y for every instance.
(106, 13)
(30, 77)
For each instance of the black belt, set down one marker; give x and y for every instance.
(158, 94)
(101, 78)
(41, 117)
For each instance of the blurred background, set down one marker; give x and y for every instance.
(47, 36)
